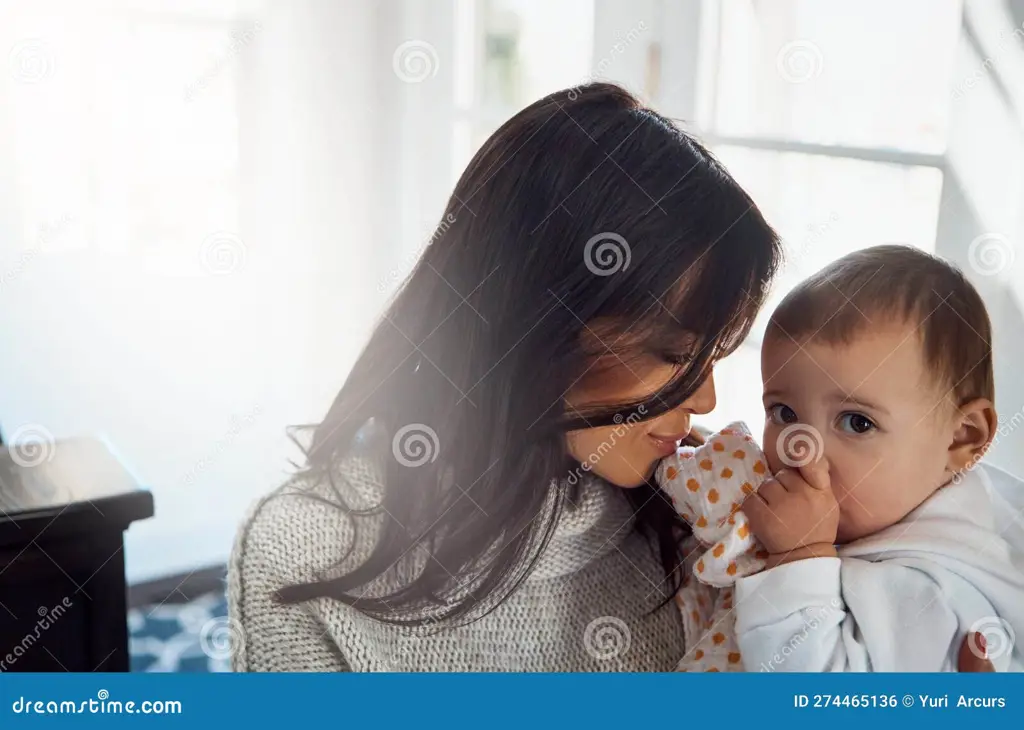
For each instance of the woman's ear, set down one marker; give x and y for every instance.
(975, 427)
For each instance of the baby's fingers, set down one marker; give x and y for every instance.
(816, 475)
(771, 491)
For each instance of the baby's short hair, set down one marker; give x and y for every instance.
(906, 284)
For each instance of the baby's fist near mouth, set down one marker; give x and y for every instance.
(795, 514)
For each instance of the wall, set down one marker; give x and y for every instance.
(983, 191)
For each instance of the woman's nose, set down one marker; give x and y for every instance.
(703, 401)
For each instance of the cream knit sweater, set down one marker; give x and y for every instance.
(589, 604)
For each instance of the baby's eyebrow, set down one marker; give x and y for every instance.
(854, 400)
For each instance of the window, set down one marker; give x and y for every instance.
(509, 54)
(125, 127)
(835, 118)
(863, 75)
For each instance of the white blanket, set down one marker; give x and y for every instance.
(900, 600)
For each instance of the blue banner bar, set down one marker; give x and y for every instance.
(512, 701)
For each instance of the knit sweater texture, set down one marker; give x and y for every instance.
(591, 603)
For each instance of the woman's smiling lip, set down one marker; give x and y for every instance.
(669, 443)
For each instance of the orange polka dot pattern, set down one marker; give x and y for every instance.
(707, 485)
(709, 627)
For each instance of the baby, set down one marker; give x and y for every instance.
(873, 546)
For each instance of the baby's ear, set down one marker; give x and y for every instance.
(975, 427)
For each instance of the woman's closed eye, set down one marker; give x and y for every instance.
(781, 414)
(679, 359)
(855, 423)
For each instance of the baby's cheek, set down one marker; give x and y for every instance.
(770, 444)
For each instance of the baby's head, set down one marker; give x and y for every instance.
(886, 355)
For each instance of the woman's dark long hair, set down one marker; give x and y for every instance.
(584, 207)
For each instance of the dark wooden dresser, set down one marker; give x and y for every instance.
(64, 508)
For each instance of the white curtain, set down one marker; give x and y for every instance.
(190, 237)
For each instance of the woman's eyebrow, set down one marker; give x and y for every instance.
(773, 395)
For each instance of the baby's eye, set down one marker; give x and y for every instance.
(856, 423)
(782, 414)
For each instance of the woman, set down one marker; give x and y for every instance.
(479, 496)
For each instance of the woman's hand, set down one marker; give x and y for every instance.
(973, 655)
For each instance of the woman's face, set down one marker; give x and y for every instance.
(627, 454)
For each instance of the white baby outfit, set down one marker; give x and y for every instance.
(707, 484)
(899, 600)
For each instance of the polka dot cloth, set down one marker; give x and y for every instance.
(707, 485)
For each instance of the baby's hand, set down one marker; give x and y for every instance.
(795, 514)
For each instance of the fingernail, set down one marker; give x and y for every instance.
(982, 644)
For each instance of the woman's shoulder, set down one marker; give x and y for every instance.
(300, 532)
(304, 528)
